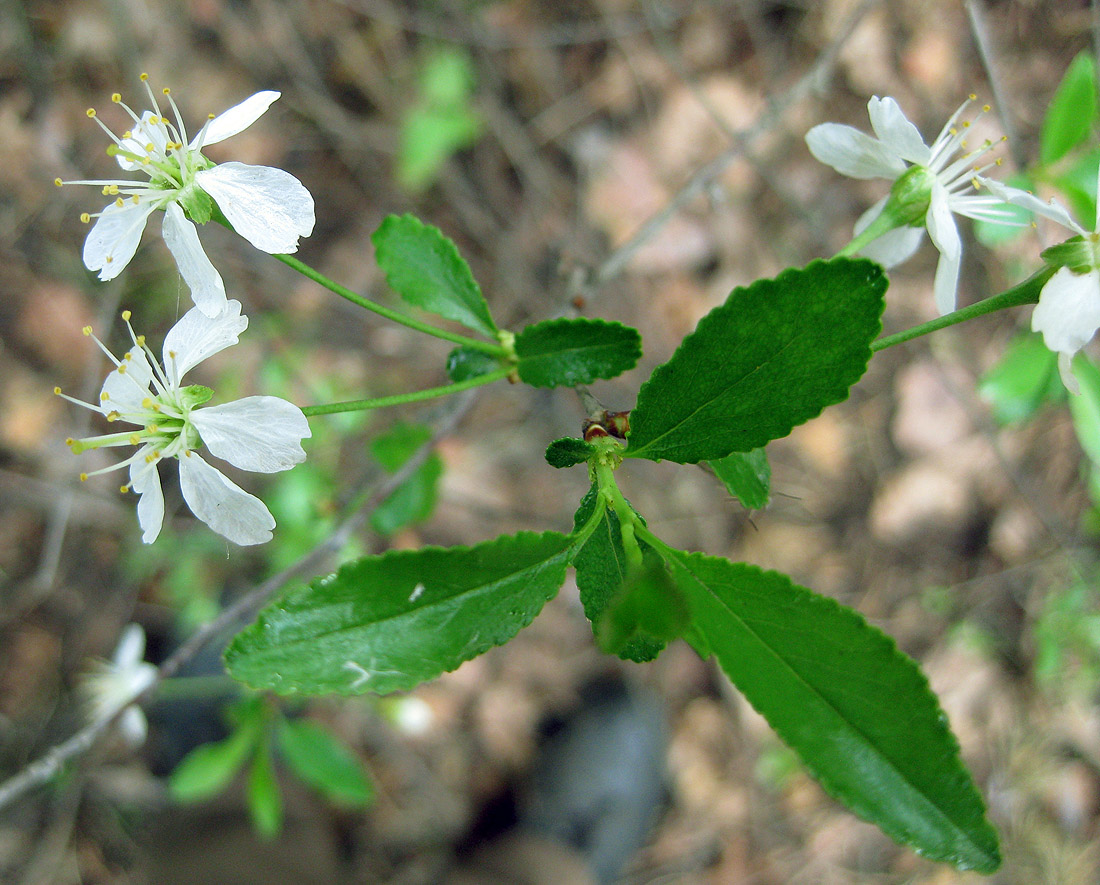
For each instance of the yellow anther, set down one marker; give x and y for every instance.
(973, 96)
(128, 356)
(57, 391)
(149, 459)
(210, 116)
(166, 91)
(124, 489)
(103, 397)
(112, 189)
(120, 202)
(986, 108)
(135, 199)
(127, 134)
(126, 315)
(85, 217)
(113, 415)
(122, 369)
(84, 477)
(153, 428)
(147, 403)
(87, 330)
(172, 354)
(109, 259)
(58, 182)
(106, 190)
(70, 441)
(141, 340)
(953, 131)
(116, 97)
(977, 184)
(90, 112)
(143, 77)
(135, 440)
(1004, 138)
(150, 147)
(999, 161)
(966, 124)
(156, 407)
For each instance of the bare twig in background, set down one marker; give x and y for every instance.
(980, 30)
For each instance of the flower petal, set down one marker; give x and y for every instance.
(114, 238)
(894, 246)
(900, 137)
(236, 119)
(197, 336)
(127, 386)
(852, 153)
(145, 483)
(260, 433)
(1068, 312)
(221, 504)
(1053, 210)
(268, 207)
(143, 135)
(202, 278)
(131, 646)
(945, 236)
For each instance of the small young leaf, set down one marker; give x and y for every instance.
(568, 451)
(773, 356)
(747, 476)
(838, 691)
(601, 572)
(650, 608)
(425, 269)
(1025, 378)
(1072, 111)
(414, 500)
(1078, 183)
(567, 352)
(265, 802)
(464, 363)
(387, 623)
(208, 769)
(323, 762)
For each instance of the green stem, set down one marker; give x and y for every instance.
(427, 328)
(883, 223)
(398, 399)
(609, 490)
(1026, 292)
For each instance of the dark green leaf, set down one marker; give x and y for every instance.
(323, 762)
(773, 356)
(425, 269)
(568, 451)
(1025, 377)
(265, 802)
(208, 769)
(464, 363)
(601, 573)
(650, 608)
(838, 691)
(1072, 111)
(386, 623)
(747, 476)
(567, 352)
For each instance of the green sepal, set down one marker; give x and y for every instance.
(567, 352)
(771, 357)
(602, 572)
(427, 271)
(747, 476)
(839, 692)
(569, 451)
(464, 363)
(195, 395)
(197, 203)
(389, 622)
(1076, 253)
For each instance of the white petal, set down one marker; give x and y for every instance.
(852, 153)
(131, 646)
(945, 236)
(221, 504)
(896, 133)
(114, 238)
(132, 726)
(1053, 210)
(1068, 312)
(197, 336)
(127, 389)
(1065, 369)
(268, 207)
(894, 246)
(260, 433)
(142, 135)
(145, 483)
(236, 119)
(202, 278)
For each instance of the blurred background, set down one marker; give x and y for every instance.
(540, 137)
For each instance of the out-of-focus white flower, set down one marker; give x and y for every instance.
(931, 183)
(268, 207)
(259, 433)
(111, 686)
(1068, 312)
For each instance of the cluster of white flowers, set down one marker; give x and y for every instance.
(931, 183)
(271, 209)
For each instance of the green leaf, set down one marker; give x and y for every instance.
(1085, 407)
(566, 352)
(601, 573)
(1078, 183)
(747, 476)
(325, 763)
(1025, 377)
(386, 623)
(838, 691)
(649, 608)
(414, 500)
(568, 451)
(265, 802)
(464, 363)
(425, 269)
(399, 443)
(429, 137)
(1072, 110)
(208, 769)
(773, 356)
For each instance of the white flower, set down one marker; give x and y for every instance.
(268, 207)
(1068, 312)
(260, 433)
(929, 185)
(111, 686)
